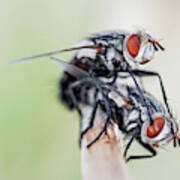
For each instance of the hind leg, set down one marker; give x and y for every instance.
(108, 111)
(91, 122)
(105, 101)
(92, 117)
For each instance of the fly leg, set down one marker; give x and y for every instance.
(145, 103)
(92, 117)
(142, 73)
(107, 121)
(133, 137)
(98, 85)
(148, 148)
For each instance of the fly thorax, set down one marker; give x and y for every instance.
(112, 58)
(109, 58)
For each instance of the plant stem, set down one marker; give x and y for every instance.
(104, 159)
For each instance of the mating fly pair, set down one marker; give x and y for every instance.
(107, 56)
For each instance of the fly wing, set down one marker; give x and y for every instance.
(23, 60)
(70, 68)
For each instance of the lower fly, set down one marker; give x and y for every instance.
(124, 106)
(132, 118)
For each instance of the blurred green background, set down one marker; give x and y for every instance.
(38, 136)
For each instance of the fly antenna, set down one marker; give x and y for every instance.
(157, 45)
(160, 46)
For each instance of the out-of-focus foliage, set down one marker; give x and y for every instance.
(38, 136)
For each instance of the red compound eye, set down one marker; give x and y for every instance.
(133, 45)
(155, 129)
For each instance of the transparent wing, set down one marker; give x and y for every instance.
(70, 68)
(26, 59)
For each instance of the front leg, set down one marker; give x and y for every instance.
(142, 73)
(145, 102)
(134, 135)
(148, 148)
